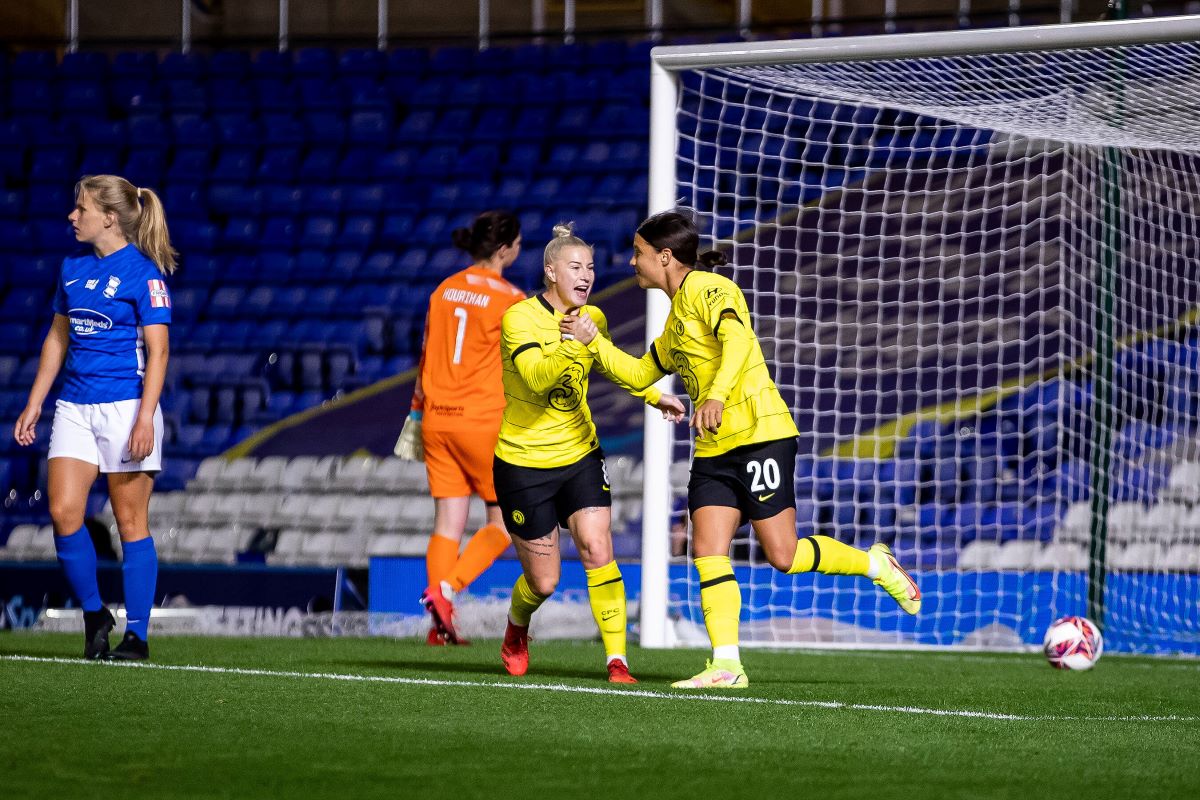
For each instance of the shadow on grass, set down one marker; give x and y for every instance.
(536, 674)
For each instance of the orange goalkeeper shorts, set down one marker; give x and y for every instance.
(459, 463)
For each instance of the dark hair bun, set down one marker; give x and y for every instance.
(711, 259)
(461, 238)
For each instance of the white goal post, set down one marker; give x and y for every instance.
(963, 232)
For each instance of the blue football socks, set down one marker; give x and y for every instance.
(77, 556)
(140, 572)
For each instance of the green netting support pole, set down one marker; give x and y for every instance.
(1103, 411)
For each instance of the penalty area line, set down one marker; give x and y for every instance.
(649, 694)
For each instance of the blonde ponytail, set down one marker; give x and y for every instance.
(152, 236)
(139, 212)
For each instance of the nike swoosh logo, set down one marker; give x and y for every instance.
(605, 488)
(762, 498)
(68, 283)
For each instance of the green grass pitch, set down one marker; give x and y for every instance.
(365, 718)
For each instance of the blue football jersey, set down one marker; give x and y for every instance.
(107, 301)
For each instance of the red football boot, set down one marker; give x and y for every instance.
(618, 672)
(442, 611)
(515, 650)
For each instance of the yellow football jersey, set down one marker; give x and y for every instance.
(708, 342)
(547, 422)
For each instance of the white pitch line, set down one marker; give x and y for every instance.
(597, 690)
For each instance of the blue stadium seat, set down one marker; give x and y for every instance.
(412, 263)
(185, 95)
(322, 302)
(358, 231)
(342, 267)
(185, 200)
(316, 62)
(199, 406)
(225, 405)
(280, 404)
(216, 438)
(54, 166)
(53, 235)
(283, 200)
(28, 306)
(240, 233)
(410, 61)
(370, 199)
(229, 96)
(271, 63)
(309, 266)
(318, 233)
(187, 442)
(436, 162)
(187, 302)
(311, 374)
(395, 165)
(279, 233)
(274, 268)
(83, 65)
(378, 266)
(320, 165)
(189, 166)
(225, 302)
(229, 64)
(370, 127)
(289, 302)
(31, 97)
(8, 368)
(83, 100)
(234, 168)
(323, 200)
(360, 164)
(319, 94)
(237, 131)
(197, 237)
(325, 129)
(252, 403)
(279, 165)
(256, 303)
(178, 65)
(362, 63)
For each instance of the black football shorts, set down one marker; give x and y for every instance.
(536, 501)
(758, 479)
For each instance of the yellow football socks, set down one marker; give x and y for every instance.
(721, 599)
(525, 601)
(823, 554)
(606, 592)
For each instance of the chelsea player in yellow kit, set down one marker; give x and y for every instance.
(745, 452)
(549, 469)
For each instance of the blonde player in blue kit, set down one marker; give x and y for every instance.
(745, 456)
(111, 312)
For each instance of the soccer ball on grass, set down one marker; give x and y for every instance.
(1073, 643)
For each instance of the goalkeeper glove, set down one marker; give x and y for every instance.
(409, 446)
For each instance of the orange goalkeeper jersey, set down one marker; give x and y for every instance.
(460, 363)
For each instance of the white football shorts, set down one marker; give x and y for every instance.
(98, 433)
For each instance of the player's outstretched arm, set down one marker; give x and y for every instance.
(633, 374)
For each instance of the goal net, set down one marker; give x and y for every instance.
(974, 266)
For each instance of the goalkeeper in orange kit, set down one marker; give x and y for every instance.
(456, 410)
